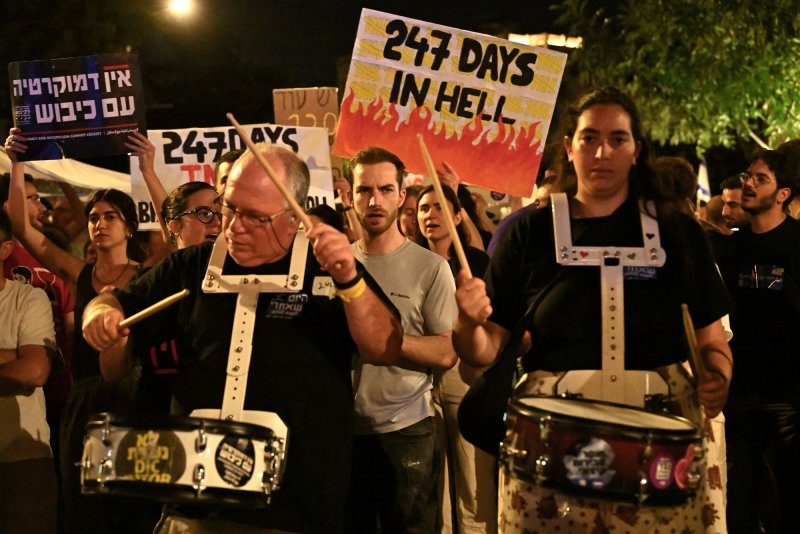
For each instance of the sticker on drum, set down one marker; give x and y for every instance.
(661, 471)
(589, 464)
(235, 459)
(150, 456)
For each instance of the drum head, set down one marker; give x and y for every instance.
(614, 414)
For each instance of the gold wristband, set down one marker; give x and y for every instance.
(97, 308)
(353, 292)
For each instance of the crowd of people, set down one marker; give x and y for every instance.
(368, 333)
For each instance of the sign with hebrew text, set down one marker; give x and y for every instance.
(77, 107)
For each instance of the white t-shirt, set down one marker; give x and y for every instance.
(26, 318)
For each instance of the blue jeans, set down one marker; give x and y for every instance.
(395, 479)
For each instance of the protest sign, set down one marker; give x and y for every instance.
(77, 107)
(188, 155)
(483, 104)
(309, 106)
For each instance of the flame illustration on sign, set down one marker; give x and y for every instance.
(504, 151)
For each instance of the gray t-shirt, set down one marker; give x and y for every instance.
(421, 286)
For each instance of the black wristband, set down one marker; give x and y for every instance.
(347, 208)
(347, 285)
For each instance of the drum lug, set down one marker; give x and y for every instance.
(647, 452)
(542, 468)
(201, 441)
(273, 458)
(105, 433)
(643, 485)
(198, 476)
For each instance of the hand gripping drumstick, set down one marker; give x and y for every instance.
(448, 217)
(301, 214)
(150, 310)
(695, 360)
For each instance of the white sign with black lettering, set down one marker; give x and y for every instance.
(188, 155)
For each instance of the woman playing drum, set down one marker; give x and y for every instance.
(609, 182)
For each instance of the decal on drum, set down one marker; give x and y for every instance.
(150, 456)
(235, 460)
(661, 472)
(589, 463)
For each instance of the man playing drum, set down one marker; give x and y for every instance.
(610, 188)
(302, 341)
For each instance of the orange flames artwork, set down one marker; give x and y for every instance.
(506, 163)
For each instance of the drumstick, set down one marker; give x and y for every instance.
(695, 360)
(448, 217)
(150, 310)
(301, 214)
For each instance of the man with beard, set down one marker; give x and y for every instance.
(761, 267)
(396, 449)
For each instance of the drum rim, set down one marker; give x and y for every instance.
(179, 423)
(692, 429)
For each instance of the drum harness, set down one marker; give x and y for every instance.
(249, 288)
(613, 383)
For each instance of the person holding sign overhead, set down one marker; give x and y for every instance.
(301, 340)
(547, 265)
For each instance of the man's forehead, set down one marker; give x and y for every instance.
(376, 174)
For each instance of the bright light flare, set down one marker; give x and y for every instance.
(181, 7)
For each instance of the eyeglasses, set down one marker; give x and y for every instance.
(35, 197)
(758, 179)
(249, 219)
(204, 215)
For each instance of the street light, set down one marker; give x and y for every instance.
(181, 8)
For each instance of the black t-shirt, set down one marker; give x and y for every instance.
(566, 327)
(762, 272)
(477, 260)
(300, 369)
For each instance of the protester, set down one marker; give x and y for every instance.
(112, 223)
(222, 168)
(300, 367)
(761, 267)
(21, 266)
(407, 220)
(396, 454)
(607, 174)
(469, 498)
(27, 343)
(735, 217)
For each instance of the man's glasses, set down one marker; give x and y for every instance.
(758, 179)
(204, 215)
(35, 197)
(249, 219)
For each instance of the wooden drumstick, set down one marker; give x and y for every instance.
(300, 212)
(695, 359)
(150, 310)
(448, 217)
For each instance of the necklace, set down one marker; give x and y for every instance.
(110, 282)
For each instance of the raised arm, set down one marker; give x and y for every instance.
(78, 222)
(372, 324)
(141, 147)
(61, 263)
(476, 339)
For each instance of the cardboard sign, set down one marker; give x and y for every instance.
(77, 107)
(483, 104)
(188, 155)
(312, 106)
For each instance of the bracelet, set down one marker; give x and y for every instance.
(347, 285)
(352, 292)
(347, 208)
(97, 308)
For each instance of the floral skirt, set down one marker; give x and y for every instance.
(526, 508)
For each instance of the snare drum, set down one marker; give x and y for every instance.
(182, 460)
(603, 450)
